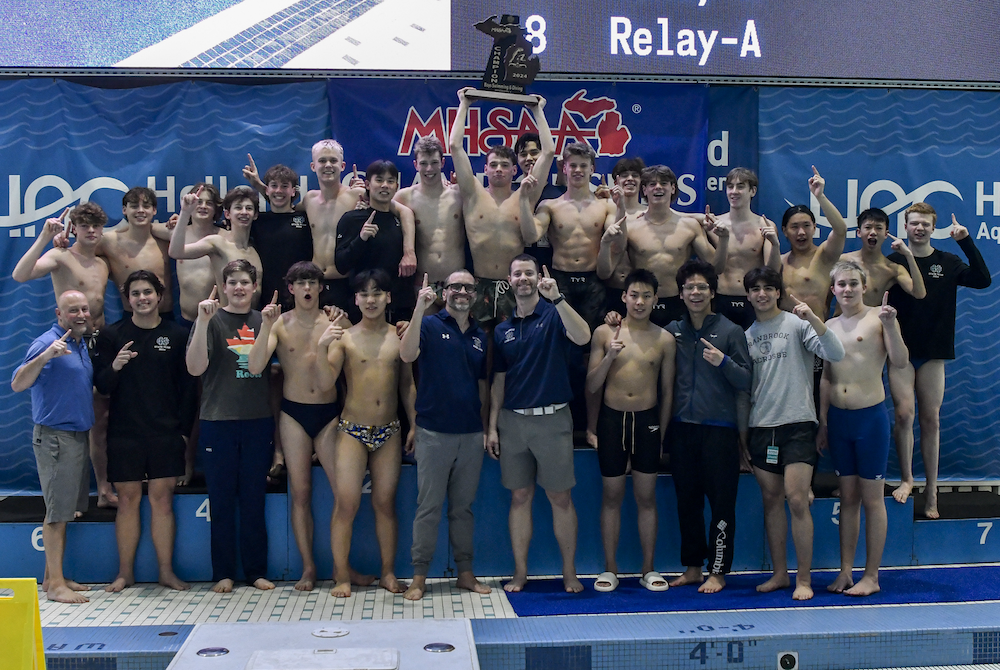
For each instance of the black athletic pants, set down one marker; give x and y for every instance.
(705, 462)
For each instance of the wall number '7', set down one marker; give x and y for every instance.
(985, 525)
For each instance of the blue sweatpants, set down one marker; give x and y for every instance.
(236, 456)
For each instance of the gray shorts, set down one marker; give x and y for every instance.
(61, 456)
(536, 448)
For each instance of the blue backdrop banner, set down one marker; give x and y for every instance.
(64, 143)
(732, 138)
(663, 124)
(889, 149)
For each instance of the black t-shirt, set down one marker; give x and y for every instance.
(152, 395)
(282, 239)
(384, 251)
(928, 325)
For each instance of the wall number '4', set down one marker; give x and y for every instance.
(204, 511)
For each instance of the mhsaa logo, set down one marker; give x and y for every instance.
(581, 119)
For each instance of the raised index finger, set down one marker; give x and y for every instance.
(274, 298)
(815, 171)
(618, 331)
(128, 344)
(356, 171)
(885, 299)
(65, 335)
(62, 217)
(545, 271)
(425, 281)
(215, 292)
(253, 166)
(794, 299)
(708, 345)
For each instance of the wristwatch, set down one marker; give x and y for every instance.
(559, 299)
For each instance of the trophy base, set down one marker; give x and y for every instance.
(480, 94)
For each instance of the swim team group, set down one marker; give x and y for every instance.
(315, 327)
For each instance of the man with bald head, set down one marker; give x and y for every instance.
(58, 371)
(451, 396)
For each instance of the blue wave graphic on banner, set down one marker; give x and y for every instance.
(888, 149)
(68, 142)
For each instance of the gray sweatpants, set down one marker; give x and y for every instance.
(447, 465)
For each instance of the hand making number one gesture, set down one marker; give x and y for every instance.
(711, 354)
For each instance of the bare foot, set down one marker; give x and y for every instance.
(802, 592)
(775, 583)
(172, 581)
(468, 581)
(106, 497)
(844, 580)
(391, 584)
(591, 439)
(223, 586)
(416, 590)
(902, 492)
(572, 584)
(835, 493)
(188, 475)
(812, 496)
(930, 507)
(76, 587)
(516, 584)
(64, 594)
(359, 579)
(120, 584)
(77, 515)
(263, 584)
(866, 586)
(690, 576)
(713, 584)
(341, 590)
(278, 465)
(307, 582)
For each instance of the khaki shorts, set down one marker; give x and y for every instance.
(536, 449)
(62, 457)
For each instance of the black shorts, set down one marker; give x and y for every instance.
(135, 459)
(624, 436)
(736, 308)
(796, 443)
(585, 293)
(667, 309)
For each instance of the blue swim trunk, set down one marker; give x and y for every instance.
(859, 441)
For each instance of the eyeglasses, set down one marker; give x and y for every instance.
(461, 288)
(692, 287)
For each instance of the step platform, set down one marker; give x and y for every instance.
(91, 549)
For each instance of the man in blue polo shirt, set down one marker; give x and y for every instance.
(451, 395)
(529, 413)
(58, 371)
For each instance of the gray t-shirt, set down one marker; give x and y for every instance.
(229, 391)
(782, 350)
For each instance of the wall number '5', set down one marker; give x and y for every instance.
(985, 525)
